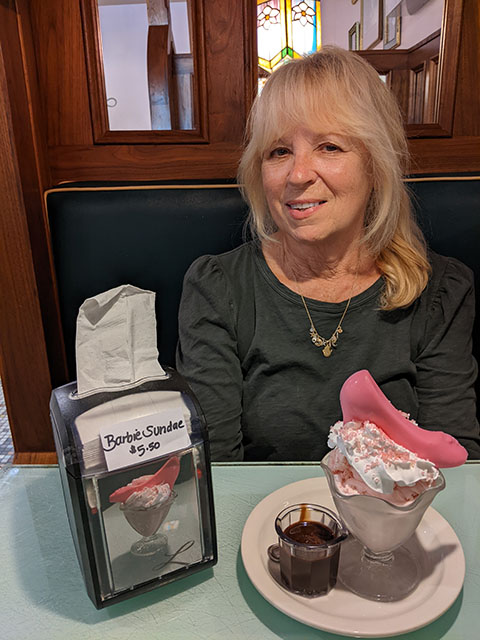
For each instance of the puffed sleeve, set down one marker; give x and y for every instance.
(207, 354)
(446, 369)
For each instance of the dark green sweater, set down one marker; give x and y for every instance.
(269, 394)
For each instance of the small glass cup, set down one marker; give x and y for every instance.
(308, 548)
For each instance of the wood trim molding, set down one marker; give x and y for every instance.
(445, 155)
(140, 187)
(251, 52)
(36, 458)
(144, 162)
(448, 63)
(98, 98)
(449, 48)
(146, 187)
(442, 179)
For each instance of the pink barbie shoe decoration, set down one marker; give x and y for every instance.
(362, 399)
(165, 475)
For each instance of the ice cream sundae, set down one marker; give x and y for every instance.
(145, 503)
(145, 510)
(383, 473)
(365, 461)
(379, 451)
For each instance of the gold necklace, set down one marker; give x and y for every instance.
(316, 338)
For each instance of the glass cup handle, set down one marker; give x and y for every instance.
(274, 552)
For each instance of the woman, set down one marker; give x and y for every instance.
(336, 279)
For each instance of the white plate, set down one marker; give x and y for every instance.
(341, 611)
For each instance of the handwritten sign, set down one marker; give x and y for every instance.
(145, 438)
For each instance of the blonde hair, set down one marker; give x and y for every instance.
(339, 86)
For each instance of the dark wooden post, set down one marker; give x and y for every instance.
(159, 67)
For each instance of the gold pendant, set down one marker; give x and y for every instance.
(316, 339)
(327, 350)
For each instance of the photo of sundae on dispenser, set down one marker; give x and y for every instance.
(151, 518)
(145, 503)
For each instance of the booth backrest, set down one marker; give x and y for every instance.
(144, 235)
(148, 235)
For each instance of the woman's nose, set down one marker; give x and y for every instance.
(302, 171)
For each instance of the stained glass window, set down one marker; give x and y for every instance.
(286, 29)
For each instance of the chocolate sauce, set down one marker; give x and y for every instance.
(308, 532)
(306, 571)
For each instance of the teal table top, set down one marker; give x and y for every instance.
(42, 594)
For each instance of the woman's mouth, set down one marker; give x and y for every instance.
(299, 210)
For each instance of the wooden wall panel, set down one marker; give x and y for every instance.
(230, 64)
(29, 143)
(229, 91)
(143, 162)
(445, 155)
(461, 152)
(224, 39)
(467, 103)
(62, 75)
(23, 358)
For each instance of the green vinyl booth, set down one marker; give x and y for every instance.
(105, 235)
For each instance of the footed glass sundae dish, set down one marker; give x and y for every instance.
(383, 474)
(146, 520)
(145, 503)
(375, 565)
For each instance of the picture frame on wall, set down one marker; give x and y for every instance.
(371, 19)
(354, 37)
(392, 34)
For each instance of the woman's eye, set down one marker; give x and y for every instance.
(279, 152)
(330, 147)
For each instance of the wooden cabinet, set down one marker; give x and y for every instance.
(78, 148)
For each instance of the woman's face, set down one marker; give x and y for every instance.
(317, 186)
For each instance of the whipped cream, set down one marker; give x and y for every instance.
(378, 461)
(148, 496)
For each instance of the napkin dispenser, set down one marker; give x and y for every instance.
(136, 477)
